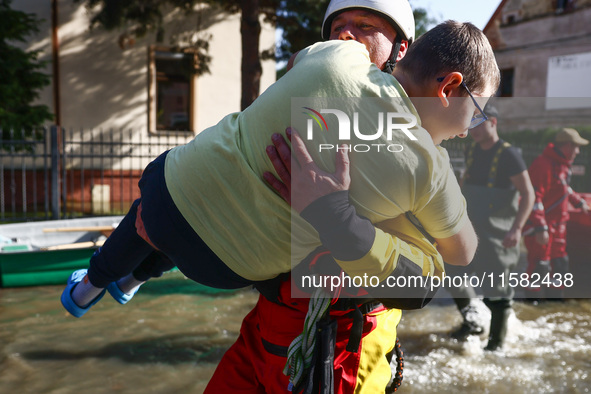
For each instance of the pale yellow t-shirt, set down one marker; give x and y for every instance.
(216, 179)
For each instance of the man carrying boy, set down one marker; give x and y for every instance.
(213, 194)
(278, 317)
(192, 207)
(263, 323)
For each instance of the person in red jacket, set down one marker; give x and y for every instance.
(545, 233)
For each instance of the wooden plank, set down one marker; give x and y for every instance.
(81, 229)
(76, 245)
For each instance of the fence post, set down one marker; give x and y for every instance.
(55, 191)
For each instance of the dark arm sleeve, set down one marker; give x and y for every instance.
(513, 161)
(347, 235)
(358, 246)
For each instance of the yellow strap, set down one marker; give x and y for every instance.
(494, 167)
(469, 160)
(395, 237)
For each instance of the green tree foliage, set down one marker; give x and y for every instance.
(141, 17)
(543, 136)
(301, 23)
(20, 75)
(524, 138)
(423, 21)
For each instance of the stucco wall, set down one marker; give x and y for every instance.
(103, 86)
(526, 47)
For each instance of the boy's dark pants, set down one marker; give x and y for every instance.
(125, 251)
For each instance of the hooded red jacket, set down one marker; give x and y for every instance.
(550, 175)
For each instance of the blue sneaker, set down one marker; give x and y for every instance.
(67, 300)
(118, 294)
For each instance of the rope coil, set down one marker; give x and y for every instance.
(301, 349)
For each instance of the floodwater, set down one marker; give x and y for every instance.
(548, 350)
(171, 336)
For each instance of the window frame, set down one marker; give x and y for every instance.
(504, 72)
(153, 94)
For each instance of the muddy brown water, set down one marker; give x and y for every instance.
(170, 338)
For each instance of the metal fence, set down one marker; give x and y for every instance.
(58, 173)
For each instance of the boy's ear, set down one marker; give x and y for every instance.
(450, 82)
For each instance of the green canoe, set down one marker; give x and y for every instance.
(46, 253)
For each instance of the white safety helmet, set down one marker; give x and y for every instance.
(398, 12)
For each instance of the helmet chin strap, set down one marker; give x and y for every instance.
(391, 63)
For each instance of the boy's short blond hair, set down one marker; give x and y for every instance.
(453, 46)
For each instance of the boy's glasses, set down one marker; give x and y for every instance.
(478, 119)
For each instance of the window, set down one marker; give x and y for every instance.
(171, 91)
(565, 6)
(506, 86)
(511, 17)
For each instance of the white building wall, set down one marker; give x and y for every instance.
(104, 87)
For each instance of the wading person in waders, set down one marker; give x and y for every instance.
(496, 176)
(546, 228)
